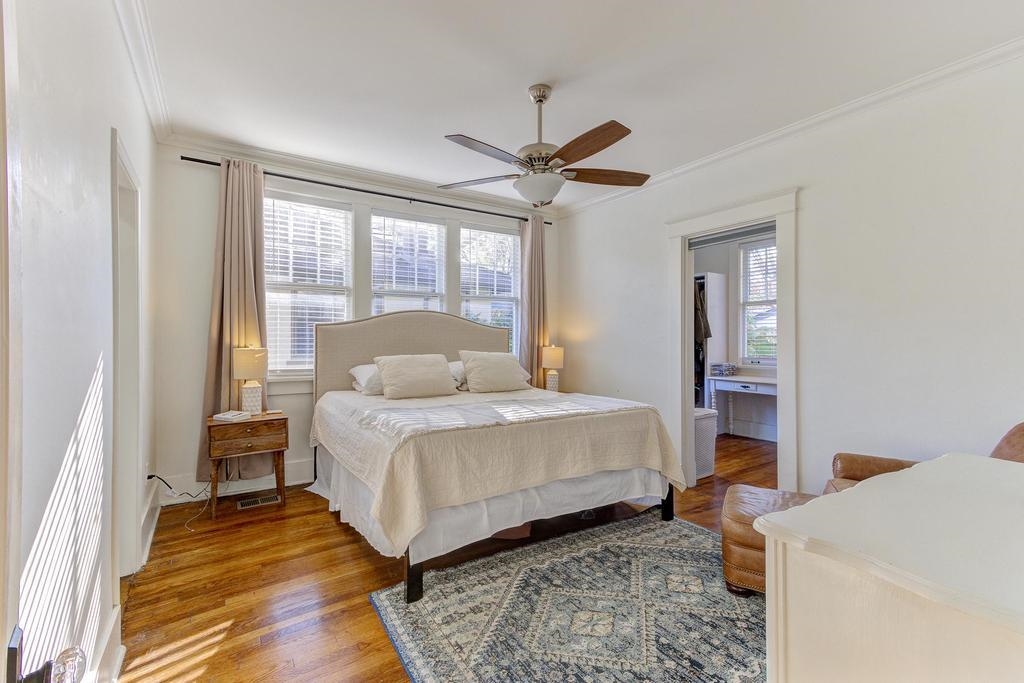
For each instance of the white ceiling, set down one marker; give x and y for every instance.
(378, 84)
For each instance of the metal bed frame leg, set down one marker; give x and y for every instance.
(314, 462)
(413, 580)
(668, 507)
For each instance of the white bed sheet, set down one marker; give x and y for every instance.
(364, 433)
(453, 527)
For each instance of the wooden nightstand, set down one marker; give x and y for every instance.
(259, 434)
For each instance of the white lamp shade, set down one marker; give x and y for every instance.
(248, 364)
(552, 357)
(539, 188)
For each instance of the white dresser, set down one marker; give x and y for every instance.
(912, 576)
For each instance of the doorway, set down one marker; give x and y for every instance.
(735, 355)
(129, 463)
(744, 224)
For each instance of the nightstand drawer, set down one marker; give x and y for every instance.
(256, 444)
(247, 430)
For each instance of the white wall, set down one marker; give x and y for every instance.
(76, 82)
(186, 229)
(909, 247)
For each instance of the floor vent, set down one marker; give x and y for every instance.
(259, 502)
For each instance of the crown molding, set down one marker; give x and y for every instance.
(332, 171)
(995, 56)
(134, 21)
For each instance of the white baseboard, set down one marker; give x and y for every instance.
(755, 430)
(112, 652)
(296, 472)
(150, 520)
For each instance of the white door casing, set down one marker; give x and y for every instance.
(10, 326)
(781, 209)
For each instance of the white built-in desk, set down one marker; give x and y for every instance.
(916, 575)
(744, 384)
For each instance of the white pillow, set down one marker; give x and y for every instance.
(415, 376)
(490, 371)
(458, 374)
(368, 380)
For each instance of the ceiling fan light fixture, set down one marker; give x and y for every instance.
(539, 188)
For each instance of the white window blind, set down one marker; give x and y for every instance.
(407, 269)
(308, 268)
(489, 278)
(758, 302)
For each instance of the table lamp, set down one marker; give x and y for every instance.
(552, 358)
(249, 365)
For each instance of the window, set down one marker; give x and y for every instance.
(489, 279)
(758, 327)
(407, 263)
(308, 267)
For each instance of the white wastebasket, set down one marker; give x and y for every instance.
(705, 432)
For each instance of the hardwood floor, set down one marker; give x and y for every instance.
(270, 594)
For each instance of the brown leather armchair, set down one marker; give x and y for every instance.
(850, 468)
(743, 547)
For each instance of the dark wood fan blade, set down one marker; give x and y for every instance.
(605, 176)
(590, 143)
(479, 181)
(489, 150)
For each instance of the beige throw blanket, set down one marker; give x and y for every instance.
(418, 455)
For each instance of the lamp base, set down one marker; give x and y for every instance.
(551, 380)
(252, 397)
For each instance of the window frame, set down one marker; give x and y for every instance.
(743, 303)
(311, 287)
(517, 278)
(363, 207)
(442, 284)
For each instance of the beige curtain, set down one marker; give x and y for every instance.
(533, 324)
(238, 314)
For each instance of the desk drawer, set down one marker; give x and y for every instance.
(257, 444)
(748, 387)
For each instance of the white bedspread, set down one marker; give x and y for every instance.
(418, 455)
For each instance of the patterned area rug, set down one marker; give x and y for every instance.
(637, 600)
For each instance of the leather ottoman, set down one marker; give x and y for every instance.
(742, 547)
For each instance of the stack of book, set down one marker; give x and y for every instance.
(232, 416)
(723, 369)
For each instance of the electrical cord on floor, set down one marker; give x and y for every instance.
(176, 494)
(205, 505)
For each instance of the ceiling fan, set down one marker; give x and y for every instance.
(542, 164)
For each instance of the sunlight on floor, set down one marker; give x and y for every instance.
(181, 659)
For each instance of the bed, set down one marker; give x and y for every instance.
(421, 477)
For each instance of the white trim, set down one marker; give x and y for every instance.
(135, 28)
(310, 198)
(149, 522)
(782, 209)
(290, 385)
(10, 326)
(985, 59)
(742, 303)
(128, 464)
(298, 471)
(112, 652)
(735, 216)
(342, 173)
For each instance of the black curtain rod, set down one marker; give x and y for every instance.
(364, 191)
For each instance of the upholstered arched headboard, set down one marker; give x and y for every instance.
(339, 347)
